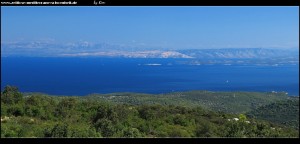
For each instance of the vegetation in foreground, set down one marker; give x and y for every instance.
(47, 116)
(281, 112)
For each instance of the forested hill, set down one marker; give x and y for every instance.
(230, 102)
(282, 112)
(40, 115)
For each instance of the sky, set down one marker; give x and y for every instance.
(168, 27)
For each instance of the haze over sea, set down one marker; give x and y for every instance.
(82, 76)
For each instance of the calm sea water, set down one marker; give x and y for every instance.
(82, 76)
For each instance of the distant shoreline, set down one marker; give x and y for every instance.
(141, 93)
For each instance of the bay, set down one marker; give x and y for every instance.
(82, 76)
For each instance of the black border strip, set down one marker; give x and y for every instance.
(153, 140)
(149, 3)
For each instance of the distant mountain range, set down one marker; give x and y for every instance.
(86, 49)
(241, 53)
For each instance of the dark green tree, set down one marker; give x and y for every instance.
(11, 95)
(59, 130)
(105, 127)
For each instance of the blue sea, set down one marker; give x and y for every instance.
(83, 76)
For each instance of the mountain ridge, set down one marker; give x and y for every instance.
(86, 49)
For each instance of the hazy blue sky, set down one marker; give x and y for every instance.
(172, 27)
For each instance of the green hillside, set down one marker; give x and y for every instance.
(230, 102)
(125, 115)
(281, 112)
